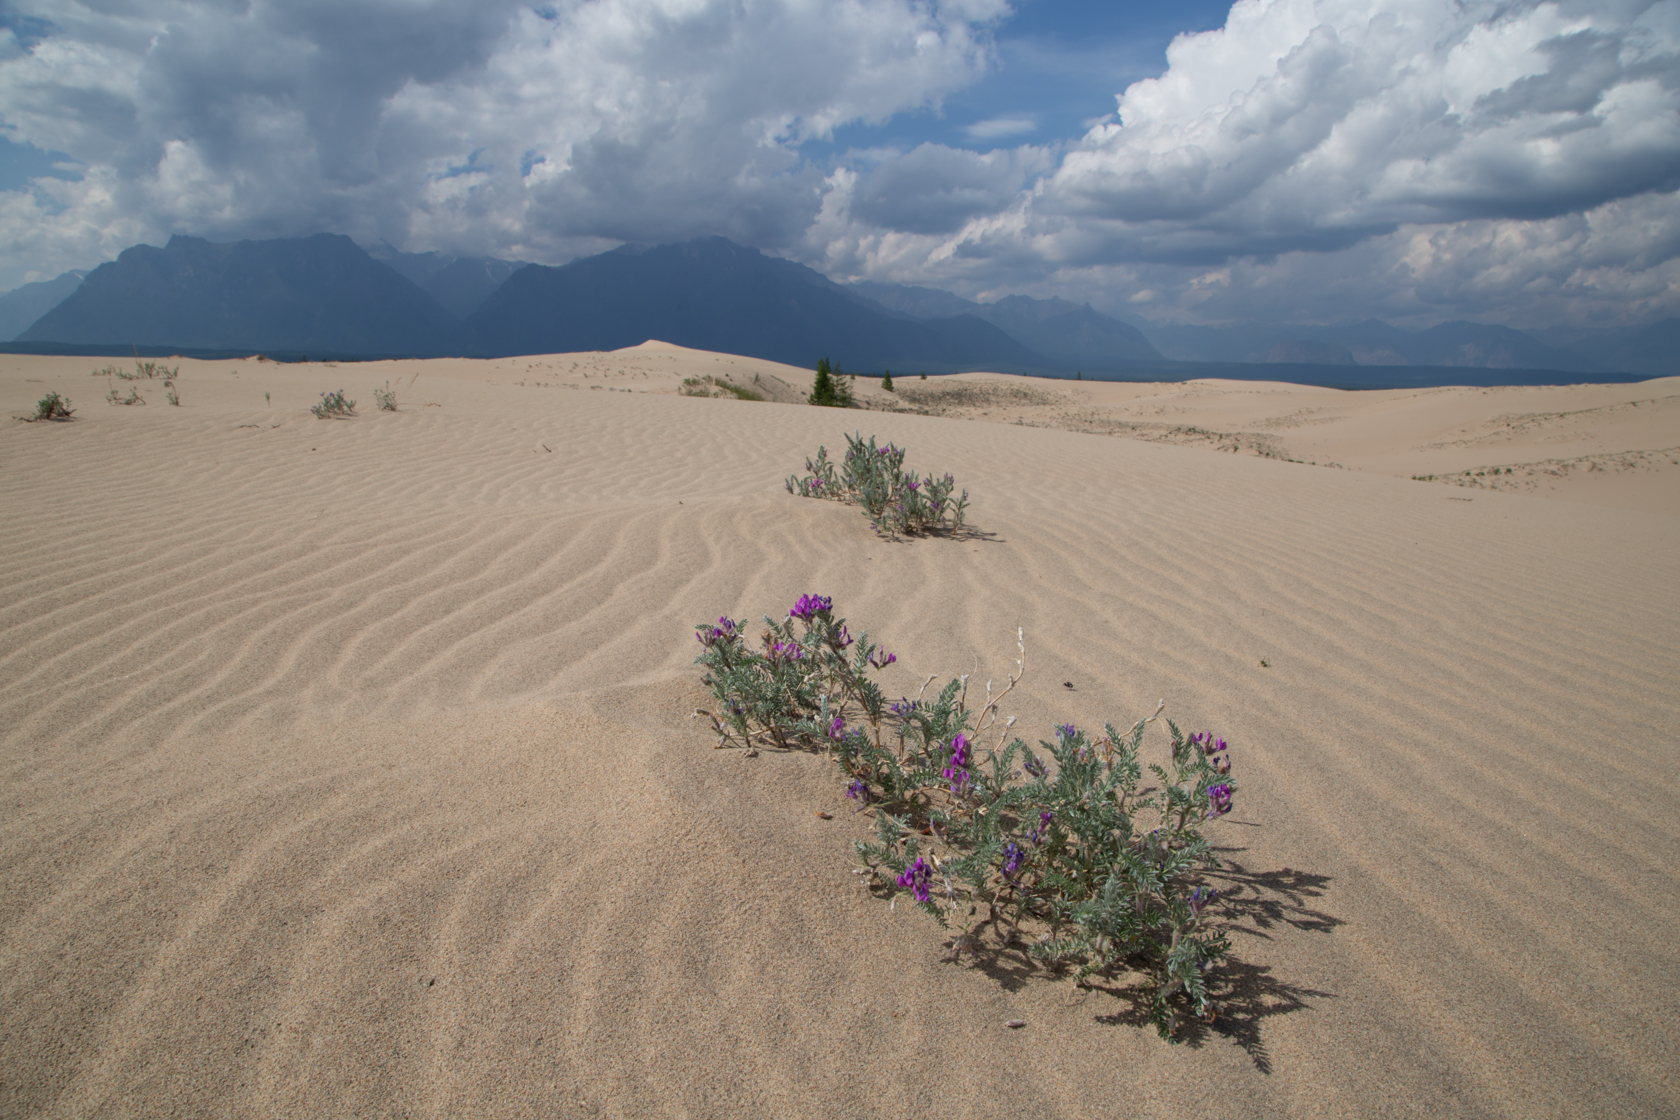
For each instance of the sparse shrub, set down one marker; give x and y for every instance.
(886, 380)
(830, 389)
(142, 371)
(170, 395)
(709, 386)
(1070, 857)
(386, 398)
(897, 502)
(333, 404)
(133, 397)
(53, 407)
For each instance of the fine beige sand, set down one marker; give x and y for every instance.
(348, 767)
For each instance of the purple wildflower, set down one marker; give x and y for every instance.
(843, 638)
(859, 790)
(786, 651)
(809, 605)
(710, 636)
(837, 729)
(1066, 730)
(1219, 797)
(956, 770)
(1041, 829)
(904, 706)
(1033, 766)
(1012, 857)
(1214, 748)
(915, 486)
(881, 658)
(1199, 898)
(917, 877)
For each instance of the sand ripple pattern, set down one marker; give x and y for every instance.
(347, 769)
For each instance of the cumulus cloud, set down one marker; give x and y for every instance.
(480, 126)
(1413, 156)
(936, 189)
(1511, 159)
(1318, 123)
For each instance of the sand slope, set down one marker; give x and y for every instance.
(347, 765)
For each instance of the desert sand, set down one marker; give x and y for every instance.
(349, 766)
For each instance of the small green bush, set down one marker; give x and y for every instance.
(386, 398)
(897, 501)
(53, 407)
(1071, 858)
(333, 404)
(133, 397)
(709, 386)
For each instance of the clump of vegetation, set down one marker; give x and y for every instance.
(709, 386)
(886, 380)
(53, 407)
(142, 371)
(333, 404)
(170, 395)
(897, 501)
(386, 398)
(133, 397)
(1068, 857)
(831, 389)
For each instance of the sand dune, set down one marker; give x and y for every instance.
(348, 765)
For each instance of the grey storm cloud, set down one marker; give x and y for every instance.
(467, 125)
(1395, 156)
(936, 189)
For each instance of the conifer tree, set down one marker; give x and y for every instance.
(822, 389)
(886, 381)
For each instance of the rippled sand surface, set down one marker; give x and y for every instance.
(347, 767)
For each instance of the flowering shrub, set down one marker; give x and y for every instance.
(897, 502)
(1069, 856)
(333, 404)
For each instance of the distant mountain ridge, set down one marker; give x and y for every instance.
(20, 307)
(1071, 334)
(712, 294)
(321, 293)
(326, 295)
(460, 284)
(1651, 350)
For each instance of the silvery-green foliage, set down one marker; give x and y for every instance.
(897, 501)
(333, 404)
(1078, 854)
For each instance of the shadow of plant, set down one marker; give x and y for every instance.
(1256, 904)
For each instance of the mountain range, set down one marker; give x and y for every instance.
(327, 296)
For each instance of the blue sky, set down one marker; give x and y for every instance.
(1509, 161)
(1059, 65)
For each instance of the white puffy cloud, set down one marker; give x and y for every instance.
(1318, 123)
(1315, 158)
(480, 126)
(1505, 159)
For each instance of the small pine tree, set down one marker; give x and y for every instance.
(886, 381)
(842, 387)
(822, 389)
(1079, 375)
